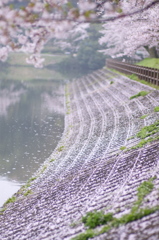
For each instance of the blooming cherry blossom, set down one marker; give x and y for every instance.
(30, 27)
(125, 36)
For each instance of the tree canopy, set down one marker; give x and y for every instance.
(27, 25)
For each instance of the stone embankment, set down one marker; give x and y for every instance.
(94, 167)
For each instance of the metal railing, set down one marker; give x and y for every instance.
(150, 75)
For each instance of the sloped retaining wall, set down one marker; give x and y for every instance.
(89, 170)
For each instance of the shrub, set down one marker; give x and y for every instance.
(156, 109)
(94, 219)
(122, 148)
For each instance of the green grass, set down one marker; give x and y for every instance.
(28, 184)
(132, 77)
(143, 142)
(27, 193)
(122, 148)
(148, 130)
(67, 94)
(149, 62)
(27, 73)
(2, 210)
(156, 109)
(94, 219)
(132, 137)
(43, 169)
(135, 78)
(142, 93)
(10, 200)
(145, 134)
(32, 179)
(134, 215)
(52, 160)
(20, 59)
(18, 69)
(84, 236)
(60, 149)
(144, 116)
(144, 189)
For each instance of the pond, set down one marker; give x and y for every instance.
(31, 124)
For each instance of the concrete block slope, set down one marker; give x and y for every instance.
(99, 165)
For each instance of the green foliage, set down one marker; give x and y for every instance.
(122, 148)
(84, 54)
(10, 200)
(148, 130)
(84, 236)
(144, 116)
(111, 82)
(43, 169)
(144, 189)
(28, 184)
(143, 142)
(32, 179)
(88, 56)
(135, 78)
(132, 137)
(143, 133)
(52, 160)
(27, 193)
(60, 149)
(94, 219)
(142, 93)
(149, 62)
(2, 210)
(156, 109)
(105, 228)
(68, 108)
(133, 216)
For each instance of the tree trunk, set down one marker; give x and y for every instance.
(152, 52)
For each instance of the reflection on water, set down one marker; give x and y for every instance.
(31, 124)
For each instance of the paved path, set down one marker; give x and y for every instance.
(88, 171)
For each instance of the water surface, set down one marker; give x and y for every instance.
(31, 124)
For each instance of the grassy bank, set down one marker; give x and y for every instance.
(149, 62)
(17, 68)
(135, 78)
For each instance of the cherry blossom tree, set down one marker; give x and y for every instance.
(141, 30)
(29, 25)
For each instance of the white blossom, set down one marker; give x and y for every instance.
(3, 54)
(86, 5)
(124, 36)
(28, 29)
(36, 60)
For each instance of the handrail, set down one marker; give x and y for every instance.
(150, 75)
